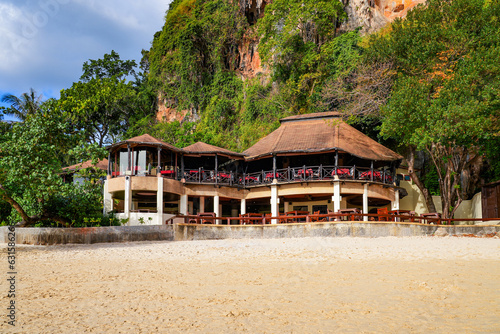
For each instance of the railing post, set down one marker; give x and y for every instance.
(371, 171)
(288, 176)
(354, 172)
(320, 172)
(304, 172)
(244, 179)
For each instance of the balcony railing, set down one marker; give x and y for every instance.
(317, 173)
(283, 175)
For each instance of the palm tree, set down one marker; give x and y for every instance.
(23, 106)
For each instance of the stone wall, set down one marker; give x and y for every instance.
(89, 235)
(182, 232)
(328, 229)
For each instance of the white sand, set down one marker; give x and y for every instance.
(340, 285)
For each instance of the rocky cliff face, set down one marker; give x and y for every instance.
(372, 15)
(250, 63)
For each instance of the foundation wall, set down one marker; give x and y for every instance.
(184, 232)
(88, 235)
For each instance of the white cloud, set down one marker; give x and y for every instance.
(43, 43)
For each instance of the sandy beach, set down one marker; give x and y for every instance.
(309, 285)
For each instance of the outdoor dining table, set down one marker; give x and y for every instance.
(297, 213)
(341, 172)
(224, 177)
(306, 172)
(399, 213)
(352, 211)
(249, 179)
(271, 176)
(167, 173)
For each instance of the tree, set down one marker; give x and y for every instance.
(30, 168)
(23, 106)
(102, 103)
(446, 97)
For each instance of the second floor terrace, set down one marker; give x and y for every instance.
(307, 148)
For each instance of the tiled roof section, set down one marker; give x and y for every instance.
(203, 148)
(316, 133)
(146, 139)
(101, 164)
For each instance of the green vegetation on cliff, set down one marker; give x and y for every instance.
(195, 60)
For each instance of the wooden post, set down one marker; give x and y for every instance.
(274, 166)
(109, 163)
(176, 168)
(159, 159)
(372, 172)
(182, 166)
(336, 161)
(116, 159)
(216, 170)
(129, 167)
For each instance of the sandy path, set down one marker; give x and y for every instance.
(325, 285)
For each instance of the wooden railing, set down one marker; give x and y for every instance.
(330, 217)
(282, 175)
(317, 173)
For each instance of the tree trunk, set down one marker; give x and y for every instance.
(27, 220)
(429, 202)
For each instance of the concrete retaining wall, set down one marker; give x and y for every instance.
(89, 235)
(180, 232)
(328, 229)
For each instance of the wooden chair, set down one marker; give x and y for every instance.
(383, 211)
(330, 219)
(317, 219)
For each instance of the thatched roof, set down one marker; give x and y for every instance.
(145, 140)
(201, 148)
(101, 164)
(320, 132)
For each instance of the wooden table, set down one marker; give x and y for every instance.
(435, 215)
(399, 213)
(353, 213)
(167, 173)
(297, 213)
(342, 172)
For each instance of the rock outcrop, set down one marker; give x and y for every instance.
(371, 15)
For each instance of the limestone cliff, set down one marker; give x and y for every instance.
(372, 15)
(369, 15)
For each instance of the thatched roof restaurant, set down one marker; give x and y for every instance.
(319, 133)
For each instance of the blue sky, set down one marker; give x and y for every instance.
(44, 43)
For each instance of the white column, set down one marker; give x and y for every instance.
(365, 202)
(183, 205)
(243, 206)
(108, 199)
(395, 203)
(128, 198)
(274, 202)
(216, 208)
(336, 198)
(202, 204)
(159, 200)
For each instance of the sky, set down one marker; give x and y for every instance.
(44, 43)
